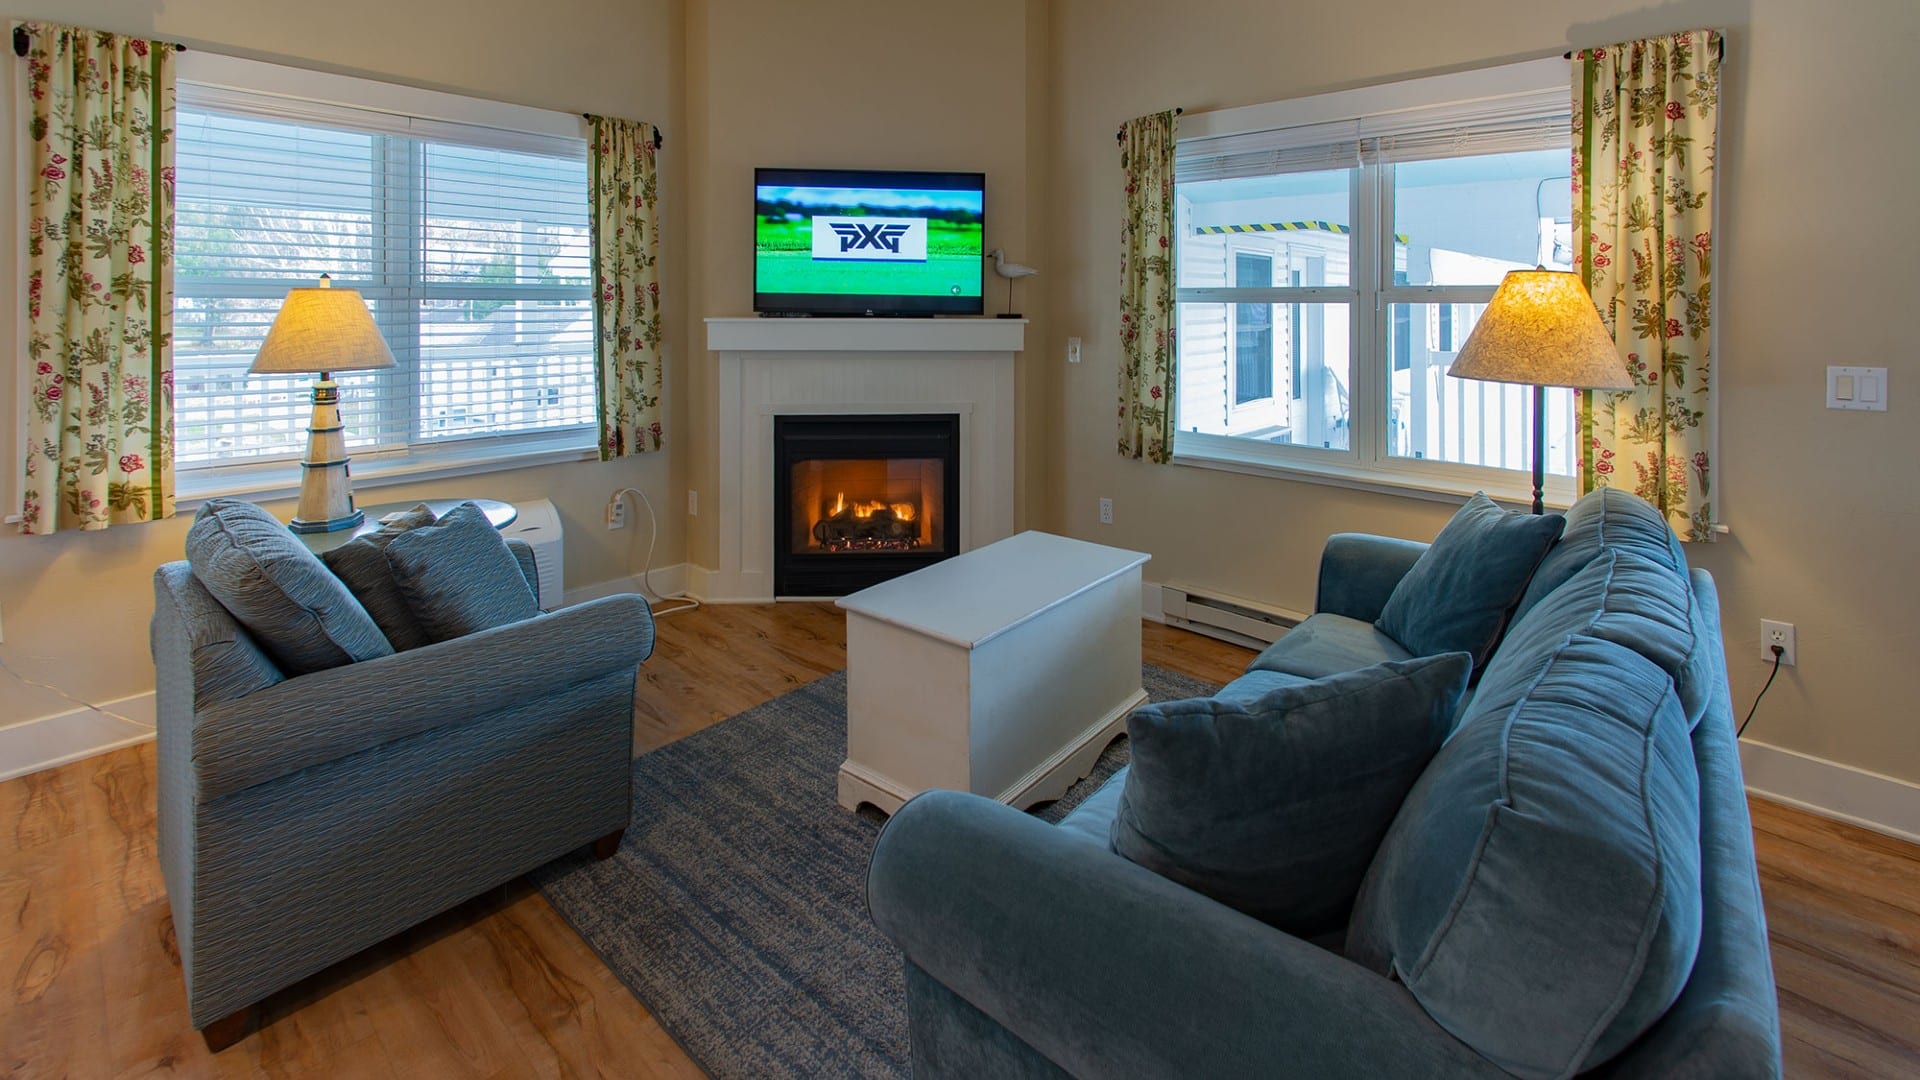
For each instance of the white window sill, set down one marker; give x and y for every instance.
(1513, 490)
(281, 479)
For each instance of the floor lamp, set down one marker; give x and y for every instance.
(1541, 328)
(322, 331)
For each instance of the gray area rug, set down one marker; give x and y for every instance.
(736, 907)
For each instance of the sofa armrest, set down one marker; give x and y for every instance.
(329, 714)
(1108, 969)
(1358, 572)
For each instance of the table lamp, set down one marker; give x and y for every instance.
(1541, 328)
(323, 330)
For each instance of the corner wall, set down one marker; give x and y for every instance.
(860, 84)
(75, 606)
(1816, 215)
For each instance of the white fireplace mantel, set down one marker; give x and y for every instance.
(775, 367)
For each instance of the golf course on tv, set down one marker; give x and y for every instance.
(783, 248)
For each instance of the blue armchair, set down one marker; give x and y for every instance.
(302, 819)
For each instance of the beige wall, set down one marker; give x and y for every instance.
(1816, 221)
(864, 84)
(75, 605)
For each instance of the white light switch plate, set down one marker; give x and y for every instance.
(1857, 388)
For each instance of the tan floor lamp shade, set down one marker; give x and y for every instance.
(322, 331)
(1541, 328)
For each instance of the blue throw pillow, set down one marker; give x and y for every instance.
(302, 615)
(1458, 596)
(1274, 805)
(458, 576)
(362, 564)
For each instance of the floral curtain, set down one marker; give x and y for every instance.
(626, 300)
(1146, 289)
(99, 430)
(1645, 117)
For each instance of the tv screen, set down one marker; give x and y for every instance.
(839, 242)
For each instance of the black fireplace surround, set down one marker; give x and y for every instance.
(907, 515)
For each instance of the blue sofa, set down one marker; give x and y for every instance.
(1033, 950)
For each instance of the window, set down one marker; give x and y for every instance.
(1358, 236)
(469, 243)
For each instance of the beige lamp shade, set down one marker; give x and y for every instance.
(323, 329)
(1541, 328)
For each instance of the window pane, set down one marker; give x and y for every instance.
(1469, 220)
(1299, 357)
(1297, 220)
(474, 261)
(1434, 416)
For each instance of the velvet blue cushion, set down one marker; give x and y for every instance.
(1327, 644)
(1604, 519)
(1273, 805)
(1459, 594)
(300, 614)
(458, 576)
(1539, 892)
(362, 564)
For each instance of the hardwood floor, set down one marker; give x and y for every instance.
(501, 987)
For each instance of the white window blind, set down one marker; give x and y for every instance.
(469, 243)
(1498, 125)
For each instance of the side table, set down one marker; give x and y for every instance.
(499, 514)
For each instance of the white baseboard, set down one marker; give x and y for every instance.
(667, 580)
(32, 745)
(717, 587)
(1842, 792)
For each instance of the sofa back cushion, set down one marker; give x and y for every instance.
(1272, 800)
(1603, 519)
(1539, 891)
(362, 564)
(301, 614)
(458, 576)
(1458, 596)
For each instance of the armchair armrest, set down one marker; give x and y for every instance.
(330, 714)
(1108, 969)
(1358, 572)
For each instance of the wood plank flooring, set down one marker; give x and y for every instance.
(501, 987)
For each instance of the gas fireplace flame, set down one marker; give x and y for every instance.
(864, 510)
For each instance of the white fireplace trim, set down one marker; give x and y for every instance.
(772, 367)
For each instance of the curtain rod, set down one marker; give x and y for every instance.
(22, 42)
(1121, 135)
(1719, 50)
(659, 140)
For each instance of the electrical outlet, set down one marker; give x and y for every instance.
(617, 512)
(1073, 350)
(1106, 511)
(693, 503)
(1776, 633)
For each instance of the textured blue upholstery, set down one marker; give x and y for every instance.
(303, 819)
(1463, 588)
(1274, 806)
(1546, 923)
(296, 609)
(362, 564)
(1031, 946)
(458, 576)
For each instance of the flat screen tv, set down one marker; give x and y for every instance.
(841, 242)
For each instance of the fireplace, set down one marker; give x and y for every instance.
(862, 498)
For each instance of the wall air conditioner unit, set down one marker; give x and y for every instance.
(1229, 618)
(539, 525)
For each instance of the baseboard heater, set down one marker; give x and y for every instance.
(1229, 618)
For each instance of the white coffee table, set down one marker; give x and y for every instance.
(1003, 671)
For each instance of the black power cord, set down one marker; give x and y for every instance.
(1779, 654)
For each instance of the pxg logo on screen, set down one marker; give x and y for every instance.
(870, 239)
